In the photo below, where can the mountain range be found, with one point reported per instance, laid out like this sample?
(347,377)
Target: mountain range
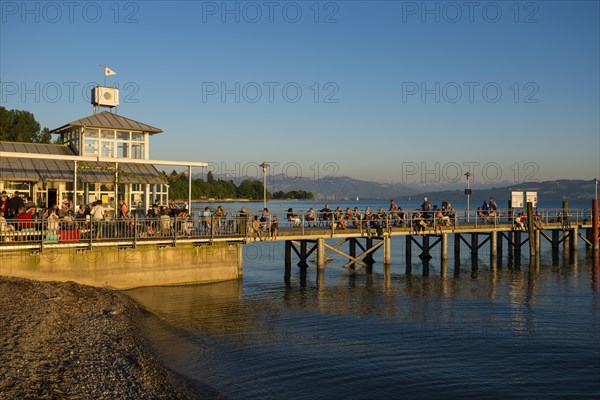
(346,187)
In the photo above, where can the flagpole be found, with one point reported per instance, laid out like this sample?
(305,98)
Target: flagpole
(104,72)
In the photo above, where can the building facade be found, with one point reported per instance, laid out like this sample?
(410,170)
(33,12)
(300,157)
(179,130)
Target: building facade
(51,173)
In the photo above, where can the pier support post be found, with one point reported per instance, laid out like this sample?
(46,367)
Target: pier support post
(302,263)
(408,251)
(493,244)
(425,254)
(574,233)
(474,243)
(457,246)
(445,247)
(368,259)
(320,253)
(387,250)
(288,253)
(595,224)
(530,229)
(352,251)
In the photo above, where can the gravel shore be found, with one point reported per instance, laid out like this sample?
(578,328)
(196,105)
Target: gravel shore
(69,341)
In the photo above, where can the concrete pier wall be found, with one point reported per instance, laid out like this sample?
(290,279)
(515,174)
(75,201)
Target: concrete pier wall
(127,268)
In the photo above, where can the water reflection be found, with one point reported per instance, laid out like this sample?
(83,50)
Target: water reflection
(250,339)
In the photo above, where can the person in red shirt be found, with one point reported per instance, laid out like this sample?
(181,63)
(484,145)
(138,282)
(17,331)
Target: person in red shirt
(25,220)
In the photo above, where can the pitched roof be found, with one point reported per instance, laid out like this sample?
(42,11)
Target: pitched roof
(109,120)
(37,170)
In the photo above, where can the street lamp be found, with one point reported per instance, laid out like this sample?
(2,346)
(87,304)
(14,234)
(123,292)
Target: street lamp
(596,182)
(468,193)
(264,167)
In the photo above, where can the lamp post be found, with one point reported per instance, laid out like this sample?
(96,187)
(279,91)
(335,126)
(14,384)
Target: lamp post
(468,193)
(264,167)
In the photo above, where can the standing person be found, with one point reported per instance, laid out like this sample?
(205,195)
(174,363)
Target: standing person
(97,214)
(16,202)
(492,204)
(4,203)
(256,228)
(274,227)
(425,207)
(122,209)
(265,219)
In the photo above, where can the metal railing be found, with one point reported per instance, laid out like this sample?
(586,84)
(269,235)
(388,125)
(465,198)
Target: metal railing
(40,231)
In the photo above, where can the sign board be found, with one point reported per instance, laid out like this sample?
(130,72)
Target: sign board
(531,197)
(516,199)
(105,96)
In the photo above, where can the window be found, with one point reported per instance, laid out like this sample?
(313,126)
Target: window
(122,149)
(106,149)
(107,134)
(137,150)
(122,135)
(90,147)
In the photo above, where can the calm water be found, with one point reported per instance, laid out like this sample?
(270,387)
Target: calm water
(462,332)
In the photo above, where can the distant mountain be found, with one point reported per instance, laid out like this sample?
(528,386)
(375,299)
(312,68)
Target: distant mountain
(340,187)
(346,187)
(548,190)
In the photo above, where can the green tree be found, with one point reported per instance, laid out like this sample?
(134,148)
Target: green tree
(21,126)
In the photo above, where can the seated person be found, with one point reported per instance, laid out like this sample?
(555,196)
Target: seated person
(311,216)
(292,218)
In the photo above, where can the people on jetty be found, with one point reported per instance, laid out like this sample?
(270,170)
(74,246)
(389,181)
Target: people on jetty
(311,217)
(356,218)
(274,227)
(265,218)
(419,224)
(326,215)
(520,220)
(256,229)
(292,218)
(425,207)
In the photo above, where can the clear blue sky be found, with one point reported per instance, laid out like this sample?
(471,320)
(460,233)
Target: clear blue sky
(389,91)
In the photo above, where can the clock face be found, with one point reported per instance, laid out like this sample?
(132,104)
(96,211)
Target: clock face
(107,96)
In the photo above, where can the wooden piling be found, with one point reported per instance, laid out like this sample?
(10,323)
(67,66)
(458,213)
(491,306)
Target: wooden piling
(474,243)
(444,247)
(457,246)
(530,229)
(387,250)
(493,244)
(303,255)
(320,253)
(288,253)
(595,224)
(574,233)
(408,249)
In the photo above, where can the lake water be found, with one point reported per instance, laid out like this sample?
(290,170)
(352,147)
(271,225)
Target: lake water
(464,331)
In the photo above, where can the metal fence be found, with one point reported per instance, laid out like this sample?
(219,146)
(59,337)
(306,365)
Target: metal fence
(240,226)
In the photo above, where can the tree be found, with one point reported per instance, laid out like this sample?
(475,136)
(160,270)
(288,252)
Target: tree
(21,126)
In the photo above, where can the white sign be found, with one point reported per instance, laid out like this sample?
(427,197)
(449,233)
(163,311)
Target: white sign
(516,199)
(531,197)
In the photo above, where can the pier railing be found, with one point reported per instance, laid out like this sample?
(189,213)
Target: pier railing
(239,227)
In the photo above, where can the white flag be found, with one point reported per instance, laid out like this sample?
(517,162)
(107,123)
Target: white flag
(108,71)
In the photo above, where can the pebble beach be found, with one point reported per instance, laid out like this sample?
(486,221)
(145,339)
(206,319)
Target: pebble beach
(69,341)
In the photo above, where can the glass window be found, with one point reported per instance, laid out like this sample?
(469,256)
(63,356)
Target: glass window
(137,151)
(91,133)
(90,147)
(137,136)
(122,149)
(106,149)
(122,135)
(107,134)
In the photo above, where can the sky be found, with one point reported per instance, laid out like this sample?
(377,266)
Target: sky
(389,91)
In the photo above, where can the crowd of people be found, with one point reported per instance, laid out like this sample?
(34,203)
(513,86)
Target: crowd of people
(161,220)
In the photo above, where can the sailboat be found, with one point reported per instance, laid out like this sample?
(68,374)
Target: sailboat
(357,199)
